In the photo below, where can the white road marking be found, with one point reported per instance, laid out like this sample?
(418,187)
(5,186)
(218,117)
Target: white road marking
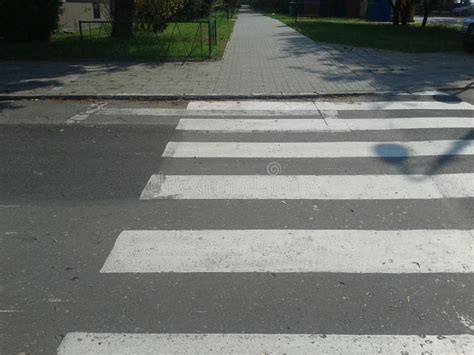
(409,123)
(205,113)
(9,311)
(262,125)
(334,251)
(132,343)
(317,150)
(256,105)
(325,187)
(253,105)
(320,125)
(466,321)
(426,93)
(93,108)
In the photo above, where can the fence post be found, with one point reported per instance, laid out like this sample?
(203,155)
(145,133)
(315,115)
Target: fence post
(296,13)
(209,37)
(80,29)
(215,32)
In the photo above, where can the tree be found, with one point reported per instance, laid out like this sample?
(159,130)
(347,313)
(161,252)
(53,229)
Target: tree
(196,9)
(401,11)
(157,12)
(29,20)
(122,12)
(427,7)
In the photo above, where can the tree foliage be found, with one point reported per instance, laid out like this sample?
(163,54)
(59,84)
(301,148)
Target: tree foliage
(29,20)
(196,9)
(152,14)
(280,6)
(157,11)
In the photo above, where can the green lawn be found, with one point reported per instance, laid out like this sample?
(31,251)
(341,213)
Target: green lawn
(177,42)
(361,33)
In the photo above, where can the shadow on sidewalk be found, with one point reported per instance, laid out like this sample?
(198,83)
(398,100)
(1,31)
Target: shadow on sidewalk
(51,77)
(381,69)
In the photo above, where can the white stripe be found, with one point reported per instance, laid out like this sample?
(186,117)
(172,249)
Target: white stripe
(125,344)
(206,113)
(426,93)
(349,251)
(357,187)
(93,108)
(409,123)
(261,125)
(320,125)
(317,150)
(326,105)
(253,105)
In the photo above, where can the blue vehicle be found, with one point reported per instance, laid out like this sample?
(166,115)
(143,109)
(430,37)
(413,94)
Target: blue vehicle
(463,8)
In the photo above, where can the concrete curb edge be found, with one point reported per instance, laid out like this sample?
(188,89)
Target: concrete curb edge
(217,97)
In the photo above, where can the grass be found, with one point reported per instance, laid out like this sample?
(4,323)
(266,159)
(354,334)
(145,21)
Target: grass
(177,42)
(361,33)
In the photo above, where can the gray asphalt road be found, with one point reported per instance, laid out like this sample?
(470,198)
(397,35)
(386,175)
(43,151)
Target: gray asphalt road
(71,177)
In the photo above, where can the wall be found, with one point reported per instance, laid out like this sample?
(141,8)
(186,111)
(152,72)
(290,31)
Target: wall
(80,10)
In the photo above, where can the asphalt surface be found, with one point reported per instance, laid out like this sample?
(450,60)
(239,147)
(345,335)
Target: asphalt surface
(67,190)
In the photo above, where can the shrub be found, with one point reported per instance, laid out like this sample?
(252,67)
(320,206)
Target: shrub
(29,20)
(196,9)
(157,12)
(280,6)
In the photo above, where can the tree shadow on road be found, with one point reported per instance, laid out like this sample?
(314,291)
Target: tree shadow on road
(398,155)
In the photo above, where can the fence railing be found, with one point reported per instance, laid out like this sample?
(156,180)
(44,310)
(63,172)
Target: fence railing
(175,40)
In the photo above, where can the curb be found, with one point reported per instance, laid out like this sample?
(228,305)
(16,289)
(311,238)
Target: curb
(217,97)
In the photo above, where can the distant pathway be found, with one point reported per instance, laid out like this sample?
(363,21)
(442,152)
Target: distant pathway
(264,55)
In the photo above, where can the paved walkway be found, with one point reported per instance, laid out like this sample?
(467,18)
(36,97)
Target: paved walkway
(263,57)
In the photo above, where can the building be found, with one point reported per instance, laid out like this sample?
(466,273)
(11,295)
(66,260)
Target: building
(73,11)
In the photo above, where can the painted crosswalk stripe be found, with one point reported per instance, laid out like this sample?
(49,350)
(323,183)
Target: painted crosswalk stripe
(346,251)
(337,187)
(133,343)
(184,112)
(262,125)
(320,125)
(317,150)
(256,105)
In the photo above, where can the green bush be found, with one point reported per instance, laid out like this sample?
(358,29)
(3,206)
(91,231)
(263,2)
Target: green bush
(279,6)
(232,4)
(29,20)
(196,9)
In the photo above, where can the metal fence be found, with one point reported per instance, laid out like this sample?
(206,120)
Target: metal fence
(175,40)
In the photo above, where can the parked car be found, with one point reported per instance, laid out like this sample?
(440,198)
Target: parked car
(467,31)
(467,10)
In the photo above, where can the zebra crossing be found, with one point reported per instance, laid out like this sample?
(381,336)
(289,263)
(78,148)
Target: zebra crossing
(403,251)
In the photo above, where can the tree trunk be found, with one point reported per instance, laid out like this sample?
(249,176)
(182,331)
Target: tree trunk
(123,19)
(427,5)
(405,14)
(425,13)
(396,12)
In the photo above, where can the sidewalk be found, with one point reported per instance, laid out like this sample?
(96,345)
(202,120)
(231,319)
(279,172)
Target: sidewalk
(263,57)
